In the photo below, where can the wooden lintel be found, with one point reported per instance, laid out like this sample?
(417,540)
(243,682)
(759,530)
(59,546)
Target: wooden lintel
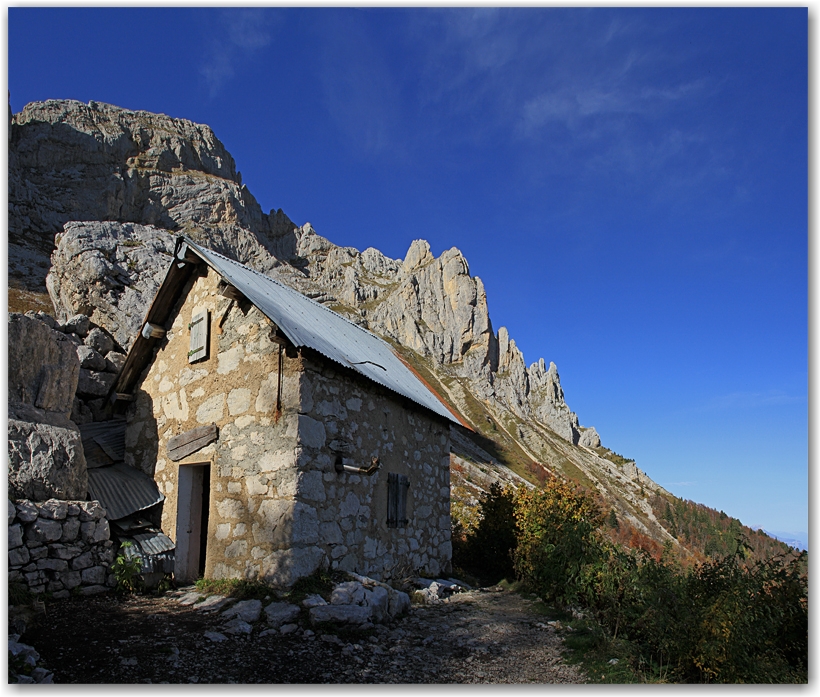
(189,442)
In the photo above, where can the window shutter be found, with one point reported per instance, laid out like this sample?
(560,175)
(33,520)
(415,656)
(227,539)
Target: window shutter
(199,337)
(404,485)
(392,500)
(397,486)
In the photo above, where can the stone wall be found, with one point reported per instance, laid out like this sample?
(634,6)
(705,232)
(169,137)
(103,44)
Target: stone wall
(58,547)
(278,509)
(347,416)
(235,388)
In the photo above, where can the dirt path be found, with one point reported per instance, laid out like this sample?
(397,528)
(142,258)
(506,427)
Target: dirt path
(481,636)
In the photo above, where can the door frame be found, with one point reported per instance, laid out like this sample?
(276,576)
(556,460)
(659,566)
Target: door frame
(192,519)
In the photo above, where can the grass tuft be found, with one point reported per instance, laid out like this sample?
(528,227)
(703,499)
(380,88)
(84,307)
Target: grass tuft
(239,588)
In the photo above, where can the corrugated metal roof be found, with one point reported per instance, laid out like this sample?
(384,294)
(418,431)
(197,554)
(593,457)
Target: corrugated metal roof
(122,490)
(156,550)
(154,542)
(103,442)
(308,323)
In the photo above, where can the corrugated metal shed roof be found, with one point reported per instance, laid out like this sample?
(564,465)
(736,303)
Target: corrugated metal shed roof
(155,549)
(307,323)
(103,442)
(122,490)
(154,542)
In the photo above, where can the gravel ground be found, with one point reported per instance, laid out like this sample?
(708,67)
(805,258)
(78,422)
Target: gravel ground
(480,636)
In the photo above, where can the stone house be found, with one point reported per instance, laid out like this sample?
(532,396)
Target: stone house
(283,436)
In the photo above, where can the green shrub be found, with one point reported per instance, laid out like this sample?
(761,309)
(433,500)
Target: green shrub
(19,594)
(731,619)
(555,528)
(723,621)
(126,570)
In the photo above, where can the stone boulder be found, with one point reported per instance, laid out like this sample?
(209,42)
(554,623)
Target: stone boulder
(281,613)
(99,340)
(245,610)
(348,593)
(343,614)
(43,366)
(313,600)
(90,359)
(111,271)
(114,361)
(378,600)
(381,601)
(46,458)
(46,461)
(78,324)
(94,383)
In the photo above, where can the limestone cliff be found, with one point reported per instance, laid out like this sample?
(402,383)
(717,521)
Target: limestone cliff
(103,191)
(70,161)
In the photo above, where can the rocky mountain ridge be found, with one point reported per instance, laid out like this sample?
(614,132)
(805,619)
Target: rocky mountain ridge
(97,195)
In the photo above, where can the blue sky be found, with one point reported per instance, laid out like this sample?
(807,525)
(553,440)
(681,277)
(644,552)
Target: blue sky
(630,185)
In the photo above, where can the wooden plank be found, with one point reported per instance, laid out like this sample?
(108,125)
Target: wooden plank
(189,442)
(189,448)
(226,290)
(193,434)
(158,313)
(404,485)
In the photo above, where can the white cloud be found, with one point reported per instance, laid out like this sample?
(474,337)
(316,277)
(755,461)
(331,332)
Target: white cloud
(247,29)
(574,105)
(240,35)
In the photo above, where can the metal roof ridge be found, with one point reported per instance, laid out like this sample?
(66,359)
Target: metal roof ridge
(362,336)
(287,288)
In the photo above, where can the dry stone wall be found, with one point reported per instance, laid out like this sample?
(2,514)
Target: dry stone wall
(60,547)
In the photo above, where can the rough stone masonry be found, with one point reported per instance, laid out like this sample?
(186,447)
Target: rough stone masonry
(278,509)
(58,547)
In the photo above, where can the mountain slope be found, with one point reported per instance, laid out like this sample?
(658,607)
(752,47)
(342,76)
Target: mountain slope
(103,191)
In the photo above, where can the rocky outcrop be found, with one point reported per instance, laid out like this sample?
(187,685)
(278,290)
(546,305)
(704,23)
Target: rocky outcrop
(46,461)
(109,272)
(590,438)
(46,457)
(437,308)
(547,402)
(70,161)
(43,366)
